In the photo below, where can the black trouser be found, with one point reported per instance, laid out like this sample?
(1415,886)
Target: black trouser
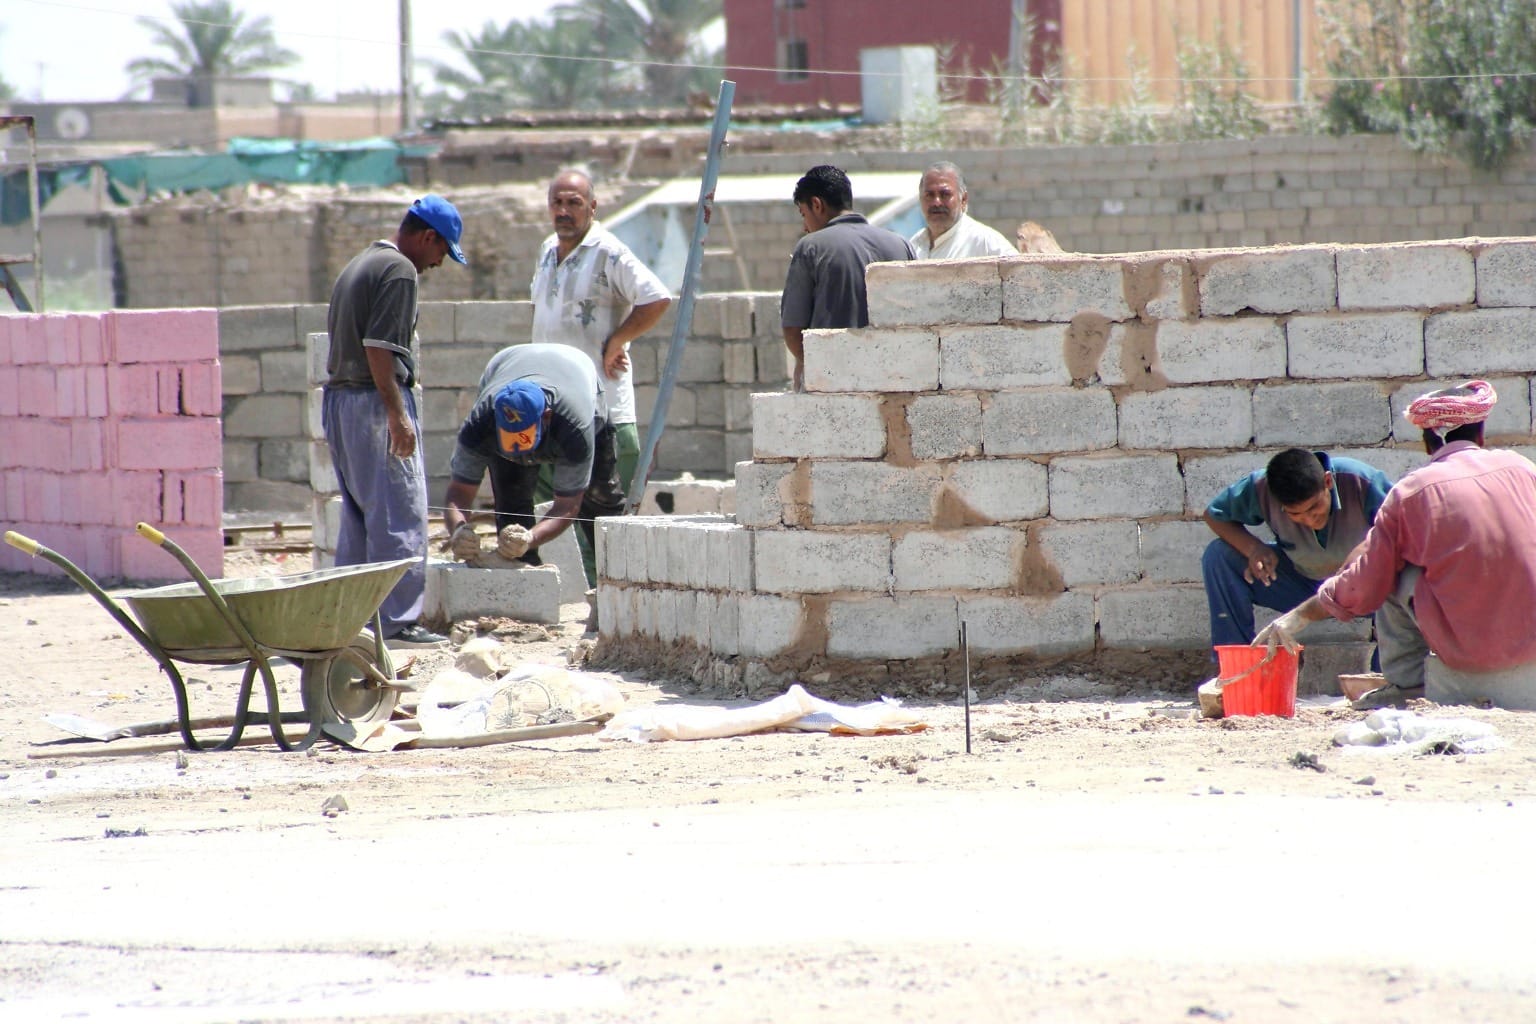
(513,483)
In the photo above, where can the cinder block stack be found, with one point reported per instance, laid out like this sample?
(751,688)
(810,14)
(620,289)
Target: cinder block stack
(111,419)
(1026,446)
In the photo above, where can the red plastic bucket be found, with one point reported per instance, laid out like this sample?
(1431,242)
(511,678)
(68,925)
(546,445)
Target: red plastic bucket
(1253,686)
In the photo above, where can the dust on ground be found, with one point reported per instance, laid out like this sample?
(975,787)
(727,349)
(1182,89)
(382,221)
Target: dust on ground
(1046,742)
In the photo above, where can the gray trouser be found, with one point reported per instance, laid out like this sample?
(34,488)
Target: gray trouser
(1399,642)
(383,499)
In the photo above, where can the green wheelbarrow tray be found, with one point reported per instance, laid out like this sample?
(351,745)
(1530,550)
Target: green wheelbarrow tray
(314,611)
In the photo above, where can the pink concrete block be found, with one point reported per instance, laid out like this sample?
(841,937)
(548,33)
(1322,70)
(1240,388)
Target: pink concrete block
(29,339)
(39,396)
(37,443)
(164,335)
(69,391)
(63,333)
(133,391)
(172,442)
(170,390)
(101,554)
(12,506)
(135,497)
(96,405)
(171,499)
(5,340)
(202,389)
(40,491)
(10,391)
(141,561)
(88,445)
(93,340)
(202,498)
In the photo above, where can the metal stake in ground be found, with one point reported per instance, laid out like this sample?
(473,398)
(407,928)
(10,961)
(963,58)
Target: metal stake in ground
(965,654)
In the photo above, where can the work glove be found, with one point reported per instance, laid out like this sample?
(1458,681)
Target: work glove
(512,541)
(464,542)
(1282,632)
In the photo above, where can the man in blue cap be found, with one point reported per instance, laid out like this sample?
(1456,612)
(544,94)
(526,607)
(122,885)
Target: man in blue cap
(538,405)
(369,411)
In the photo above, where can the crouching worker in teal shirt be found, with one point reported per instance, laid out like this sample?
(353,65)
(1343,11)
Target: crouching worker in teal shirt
(1319,509)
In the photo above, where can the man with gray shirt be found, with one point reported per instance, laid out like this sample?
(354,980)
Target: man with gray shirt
(369,412)
(538,405)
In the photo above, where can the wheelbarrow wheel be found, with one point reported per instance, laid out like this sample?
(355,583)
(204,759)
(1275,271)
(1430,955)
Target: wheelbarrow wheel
(339,688)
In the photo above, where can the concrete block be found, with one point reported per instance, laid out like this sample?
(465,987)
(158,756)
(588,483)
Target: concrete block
(740,362)
(325,521)
(847,493)
(892,627)
(1506,274)
(945,426)
(998,356)
(1407,276)
(435,322)
(317,352)
(172,442)
(1169,291)
(1041,421)
(1320,414)
(1092,553)
(933,292)
(1197,417)
(995,491)
(1203,351)
(725,625)
(310,317)
(1479,342)
(811,562)
(255,328)
(1154,618)
(1115,486)
(489,323)
(166,335)
(314,414)
(282,459)
(322,470)
(736,317)
(240,461)
(284,370)
(1290,280)
(872,359)
(456,591)
(768,626)
(1511,415)
(564,552)
(761,492)
(1058,625)
(265,415)
(985,558)
(1170,551)
(798,426)
(1323,663)
(610,556)
(1395,462)
(1205,476)
(1057,289)
(1356,345)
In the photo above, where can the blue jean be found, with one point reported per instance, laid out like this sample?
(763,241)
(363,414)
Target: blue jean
(1232,598)
(383,499)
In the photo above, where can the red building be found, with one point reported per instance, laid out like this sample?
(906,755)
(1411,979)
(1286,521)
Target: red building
(812,46)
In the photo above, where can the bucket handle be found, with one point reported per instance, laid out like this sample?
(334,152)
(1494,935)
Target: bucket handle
(1225,681)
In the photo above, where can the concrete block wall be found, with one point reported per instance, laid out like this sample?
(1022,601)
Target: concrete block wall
(272,395)
(108,420)
(1025,446)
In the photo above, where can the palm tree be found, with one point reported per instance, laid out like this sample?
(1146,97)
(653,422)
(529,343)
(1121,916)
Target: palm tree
(661,33)
(210,39)
(503,73)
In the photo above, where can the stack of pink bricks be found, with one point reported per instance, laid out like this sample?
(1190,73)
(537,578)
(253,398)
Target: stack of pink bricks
(108,420)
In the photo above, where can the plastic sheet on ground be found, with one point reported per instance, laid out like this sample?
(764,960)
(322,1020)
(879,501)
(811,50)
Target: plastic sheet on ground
(793,710)
(1402,732)
(453,704)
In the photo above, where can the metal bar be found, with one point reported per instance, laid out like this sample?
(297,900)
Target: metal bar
(685,301)
(965,652)
(37,214)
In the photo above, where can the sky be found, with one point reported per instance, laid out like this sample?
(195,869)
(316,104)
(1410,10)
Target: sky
(75,50)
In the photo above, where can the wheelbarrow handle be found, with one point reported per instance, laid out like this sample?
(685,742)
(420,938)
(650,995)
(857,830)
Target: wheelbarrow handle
(150,534)
(21,543)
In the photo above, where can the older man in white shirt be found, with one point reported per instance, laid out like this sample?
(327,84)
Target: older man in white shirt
(951,233)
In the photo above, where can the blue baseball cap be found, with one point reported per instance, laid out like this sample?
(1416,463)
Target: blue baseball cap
(440,216)
(519,417)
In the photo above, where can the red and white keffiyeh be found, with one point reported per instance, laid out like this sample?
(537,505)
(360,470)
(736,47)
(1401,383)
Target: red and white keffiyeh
(1452,407)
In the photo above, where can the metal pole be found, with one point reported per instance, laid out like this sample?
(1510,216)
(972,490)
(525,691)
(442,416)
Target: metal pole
(407,93)
(1298,48)
(37,213)
(685,301)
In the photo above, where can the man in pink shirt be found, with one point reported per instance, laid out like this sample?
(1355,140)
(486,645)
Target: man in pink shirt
(1456,541)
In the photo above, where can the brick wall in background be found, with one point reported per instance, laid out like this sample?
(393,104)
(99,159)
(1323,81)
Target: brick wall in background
(109,420)
(734,349)
(1026,446)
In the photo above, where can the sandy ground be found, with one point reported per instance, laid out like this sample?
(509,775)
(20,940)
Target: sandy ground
(1087,860)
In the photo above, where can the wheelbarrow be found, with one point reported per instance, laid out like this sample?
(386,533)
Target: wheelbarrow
(315,619)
